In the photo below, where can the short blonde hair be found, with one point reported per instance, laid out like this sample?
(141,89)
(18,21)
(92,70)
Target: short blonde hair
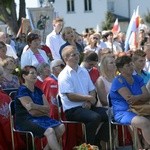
(58,19)
(67,50)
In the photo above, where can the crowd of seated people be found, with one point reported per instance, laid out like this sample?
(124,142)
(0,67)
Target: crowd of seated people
(64,66)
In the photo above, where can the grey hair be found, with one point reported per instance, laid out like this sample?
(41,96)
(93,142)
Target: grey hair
(41,67)
(55,63)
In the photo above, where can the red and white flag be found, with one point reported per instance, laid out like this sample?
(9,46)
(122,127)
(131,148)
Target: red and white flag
(133,40)
(116,27)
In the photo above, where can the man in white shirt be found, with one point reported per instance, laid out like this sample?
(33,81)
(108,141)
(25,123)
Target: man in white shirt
(78,97)
(54,39)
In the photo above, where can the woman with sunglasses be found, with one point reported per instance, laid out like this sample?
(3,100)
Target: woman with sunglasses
(32,111)
(93,43)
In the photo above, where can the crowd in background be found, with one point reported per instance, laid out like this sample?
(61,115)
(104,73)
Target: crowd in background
(96,60)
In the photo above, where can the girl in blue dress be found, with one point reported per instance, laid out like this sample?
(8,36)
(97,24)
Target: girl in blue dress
(32,111)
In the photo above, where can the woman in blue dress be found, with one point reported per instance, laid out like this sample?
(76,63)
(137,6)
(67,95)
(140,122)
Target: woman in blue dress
(32,111)
(126,90)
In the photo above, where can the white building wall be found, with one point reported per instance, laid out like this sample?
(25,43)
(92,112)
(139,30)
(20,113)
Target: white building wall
(80,19)
(122,7)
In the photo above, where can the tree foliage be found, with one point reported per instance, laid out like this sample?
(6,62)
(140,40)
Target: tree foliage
(9,15)
(147,17)
(109,20)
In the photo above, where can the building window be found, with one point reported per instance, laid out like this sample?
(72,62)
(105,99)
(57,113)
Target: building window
(87,5)
(70,6)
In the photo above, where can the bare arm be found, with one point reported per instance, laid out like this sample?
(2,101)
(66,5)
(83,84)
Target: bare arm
(35,109)
(131,99)
(102,95)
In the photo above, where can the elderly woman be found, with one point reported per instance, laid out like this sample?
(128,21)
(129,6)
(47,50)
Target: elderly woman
(32,111)
(43,71)
(33,56)
(9,79)
(128,89)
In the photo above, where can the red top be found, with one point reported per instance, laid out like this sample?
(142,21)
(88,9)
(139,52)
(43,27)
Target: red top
(50,89)
(5,129)
(94,74)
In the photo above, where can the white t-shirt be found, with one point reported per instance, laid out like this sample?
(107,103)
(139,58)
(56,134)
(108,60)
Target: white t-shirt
(10,52)
(54,42)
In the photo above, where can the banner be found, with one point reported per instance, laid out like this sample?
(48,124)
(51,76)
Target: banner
(41,19)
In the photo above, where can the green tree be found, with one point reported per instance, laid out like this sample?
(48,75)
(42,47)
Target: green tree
(147,17)
(9,16)
(109,20)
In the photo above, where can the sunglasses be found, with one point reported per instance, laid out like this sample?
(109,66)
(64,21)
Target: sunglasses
(61,66)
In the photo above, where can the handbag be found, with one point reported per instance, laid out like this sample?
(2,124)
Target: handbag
(142,109)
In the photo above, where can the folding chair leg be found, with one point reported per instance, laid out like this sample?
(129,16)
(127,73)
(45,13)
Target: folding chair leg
(42,146)
(84,132)
(123,134)
(13,142)
(135,140)
(110,136)
(32,138)
(27,141)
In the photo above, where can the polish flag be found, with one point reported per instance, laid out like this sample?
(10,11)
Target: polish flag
(132,31)
(133,41)
(116,27)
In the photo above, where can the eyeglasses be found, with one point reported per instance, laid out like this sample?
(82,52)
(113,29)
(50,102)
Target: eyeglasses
(74,55)
(33,73)
(61,66)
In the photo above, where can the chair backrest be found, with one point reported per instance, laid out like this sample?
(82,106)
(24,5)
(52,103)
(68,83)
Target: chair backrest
(109,100)
(8,91)
(110,108)
(12,112)
(59,104)
(13,95)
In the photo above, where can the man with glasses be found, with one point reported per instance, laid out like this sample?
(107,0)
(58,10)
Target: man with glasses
(78,97)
